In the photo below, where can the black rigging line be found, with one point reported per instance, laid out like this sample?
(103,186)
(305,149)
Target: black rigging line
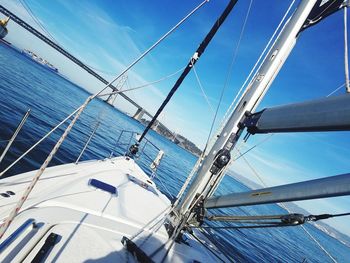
(286,220)
(242,227)
(325,216)
(228,77)
(207,247)
(190,64)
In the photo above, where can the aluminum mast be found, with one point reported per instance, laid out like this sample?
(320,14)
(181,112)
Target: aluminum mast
(211,171)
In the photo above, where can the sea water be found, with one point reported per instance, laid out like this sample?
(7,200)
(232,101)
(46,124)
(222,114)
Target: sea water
(24,85)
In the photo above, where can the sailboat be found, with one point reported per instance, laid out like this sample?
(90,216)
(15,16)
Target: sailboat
(111,210)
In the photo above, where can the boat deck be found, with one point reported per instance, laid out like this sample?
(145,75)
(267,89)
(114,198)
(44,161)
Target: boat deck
(82,211)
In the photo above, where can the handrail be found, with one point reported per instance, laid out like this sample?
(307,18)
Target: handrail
(142,152)
(132,135)
(16,233)
(20,125)
(87,142)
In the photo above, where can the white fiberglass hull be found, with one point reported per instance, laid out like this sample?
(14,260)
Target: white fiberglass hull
(89,221)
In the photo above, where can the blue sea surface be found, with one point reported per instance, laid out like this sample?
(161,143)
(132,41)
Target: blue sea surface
(24,85)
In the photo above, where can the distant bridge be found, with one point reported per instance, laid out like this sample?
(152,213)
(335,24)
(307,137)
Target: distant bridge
(139,112)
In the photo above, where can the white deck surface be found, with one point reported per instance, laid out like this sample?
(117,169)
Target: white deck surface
(90,222)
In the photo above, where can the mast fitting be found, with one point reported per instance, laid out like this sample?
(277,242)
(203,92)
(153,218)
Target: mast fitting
(223,157)
(133,150)
(194,59)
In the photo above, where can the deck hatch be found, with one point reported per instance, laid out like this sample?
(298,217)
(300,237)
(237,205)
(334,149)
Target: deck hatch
(50,242)
(103,186)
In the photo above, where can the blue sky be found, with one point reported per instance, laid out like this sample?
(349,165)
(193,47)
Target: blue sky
(108,35)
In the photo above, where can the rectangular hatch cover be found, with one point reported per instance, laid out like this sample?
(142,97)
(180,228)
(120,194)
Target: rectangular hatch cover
(103,186)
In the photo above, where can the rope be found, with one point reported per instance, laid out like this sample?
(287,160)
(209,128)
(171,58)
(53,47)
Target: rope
(162,213)
(346,62)
(189,178)
(112,81)
(252,169)
(4,226)
(239,227)
(242,155)
(193,60)
(334,91)
(207,247)
(38,142)
(202,90)
(235,52)
(165,187)
(18,206)
(144,85)
(152,47)
(18,129)
(282,205)
(251,148)
(195,168)
(318,243)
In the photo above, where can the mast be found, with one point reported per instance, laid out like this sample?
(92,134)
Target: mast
(193,60)
(211,171)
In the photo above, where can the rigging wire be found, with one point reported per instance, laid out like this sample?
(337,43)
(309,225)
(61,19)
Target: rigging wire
(252,169)
(251,148)
(38,142)
(37,21)
(318,243)
(202,89)
(334,91)
(150,224)
(207,247)
(6,223)
(284,206)
(4,226)
(241,155)
(346,62)
(228,112)
(293,217)
(200,159)
(193,60)
(228,76)
(244,227)
(282,22)
(265,185)
(266,226)
(111,82)
(144,85)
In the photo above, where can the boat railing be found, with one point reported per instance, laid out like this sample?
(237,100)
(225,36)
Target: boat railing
(126,138)
(149,155)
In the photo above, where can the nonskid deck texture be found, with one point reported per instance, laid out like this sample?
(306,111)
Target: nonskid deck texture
(78,204)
